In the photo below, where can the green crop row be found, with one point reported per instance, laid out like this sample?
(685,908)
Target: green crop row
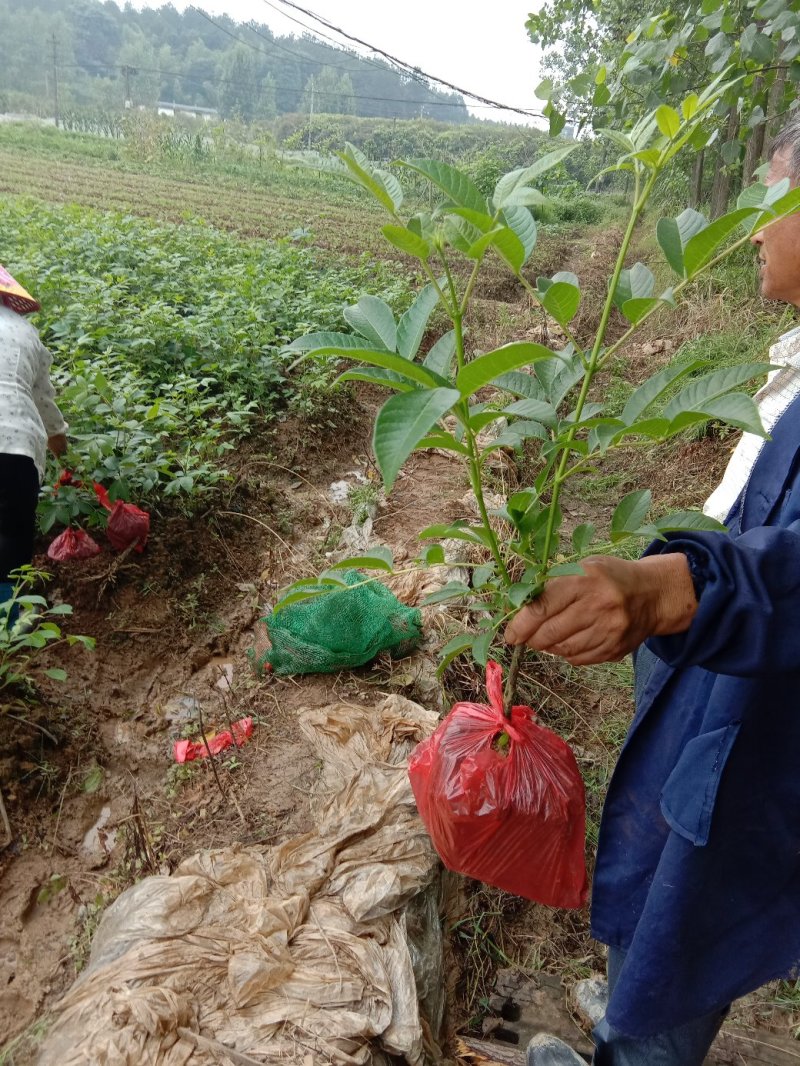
(167,342)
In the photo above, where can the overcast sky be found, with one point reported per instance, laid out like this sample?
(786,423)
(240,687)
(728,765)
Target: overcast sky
(490,54)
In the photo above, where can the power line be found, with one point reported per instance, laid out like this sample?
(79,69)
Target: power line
(401,63)
(383,67)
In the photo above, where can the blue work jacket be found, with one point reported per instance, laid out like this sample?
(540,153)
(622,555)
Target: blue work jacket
(698,868)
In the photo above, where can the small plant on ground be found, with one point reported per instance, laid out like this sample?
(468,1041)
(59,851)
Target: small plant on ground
(27,626)
(450,398)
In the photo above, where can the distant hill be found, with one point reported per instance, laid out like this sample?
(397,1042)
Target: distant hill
(103,54)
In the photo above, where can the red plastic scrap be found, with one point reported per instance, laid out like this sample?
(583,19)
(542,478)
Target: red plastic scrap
(509,812)
(72,544)
(214,743)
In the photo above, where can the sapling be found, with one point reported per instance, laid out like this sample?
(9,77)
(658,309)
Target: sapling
(446,398)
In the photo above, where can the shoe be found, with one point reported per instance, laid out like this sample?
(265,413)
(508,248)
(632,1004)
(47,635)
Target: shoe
(546,1050)
(590,998)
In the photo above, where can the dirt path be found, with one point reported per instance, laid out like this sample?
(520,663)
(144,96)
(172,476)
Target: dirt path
(106,804)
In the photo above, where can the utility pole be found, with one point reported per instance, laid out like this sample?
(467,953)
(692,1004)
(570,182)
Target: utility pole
(55,79)
(311,113)
(128,71)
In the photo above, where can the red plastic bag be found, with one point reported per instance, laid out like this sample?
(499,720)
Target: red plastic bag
(72,544)
(512,816)
(188,750)
(128,525)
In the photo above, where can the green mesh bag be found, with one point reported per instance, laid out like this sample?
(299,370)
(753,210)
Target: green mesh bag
(339,630)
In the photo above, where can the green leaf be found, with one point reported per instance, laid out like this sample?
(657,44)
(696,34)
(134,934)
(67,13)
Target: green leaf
(736,409)
(520,384)
(673,233)
(700,391)
(634,284)
(621,140)
(460,530)
(557,122)
(373,319)
(526,198)
(544,90)
(405,240)
(517,180)
(561,301)
(455,184)
(649,391)
(582,537)
(479,219)
(388,360)
(377,558)
(451,591)
(565,570)
(440,358)
(690,105)
(538,410)
(312,341)
(669,121)
(365,174)
(514,436)
(56,673)
(636,310)
(521,222)
(481,645)
(403,421)
(445,441)
(452,649)
(463,236)
(486,368)
(631,512)
(694,520)
(482,574)
(433,555)
(386,379)
(507,244)
(700,249)
(412,325)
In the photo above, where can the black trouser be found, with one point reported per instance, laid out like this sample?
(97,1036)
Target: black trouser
(19,494)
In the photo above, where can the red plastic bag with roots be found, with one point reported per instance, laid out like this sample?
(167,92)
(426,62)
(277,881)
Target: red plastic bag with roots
(507,812)
(128,525)
(72,544)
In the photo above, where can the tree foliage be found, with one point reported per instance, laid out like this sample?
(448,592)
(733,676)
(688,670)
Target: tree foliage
(242,70)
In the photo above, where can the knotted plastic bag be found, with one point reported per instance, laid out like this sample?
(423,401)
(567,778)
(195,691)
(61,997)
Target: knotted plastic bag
(503,800)
(128,525)
(73,544)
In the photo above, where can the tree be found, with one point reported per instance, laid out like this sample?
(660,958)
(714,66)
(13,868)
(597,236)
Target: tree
(238,94)
(667,54)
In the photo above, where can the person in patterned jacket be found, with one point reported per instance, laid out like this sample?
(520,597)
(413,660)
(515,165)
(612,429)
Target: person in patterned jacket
(30,422)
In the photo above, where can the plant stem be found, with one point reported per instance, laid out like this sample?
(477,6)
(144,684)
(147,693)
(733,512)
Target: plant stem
(511,680)
(594,359)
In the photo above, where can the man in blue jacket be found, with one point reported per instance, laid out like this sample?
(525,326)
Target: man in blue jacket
(697,885)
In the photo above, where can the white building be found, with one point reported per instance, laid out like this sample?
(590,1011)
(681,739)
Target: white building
(206,113)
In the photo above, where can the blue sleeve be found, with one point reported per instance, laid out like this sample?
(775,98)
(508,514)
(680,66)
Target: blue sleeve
(748,617)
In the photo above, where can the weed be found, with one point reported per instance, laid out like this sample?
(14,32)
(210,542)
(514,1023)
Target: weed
(26,627)
(21,1049)
(363,499)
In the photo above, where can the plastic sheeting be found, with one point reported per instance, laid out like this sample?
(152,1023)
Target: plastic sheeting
(314,951)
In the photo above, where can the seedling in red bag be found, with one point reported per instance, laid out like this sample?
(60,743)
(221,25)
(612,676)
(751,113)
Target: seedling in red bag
(503,800)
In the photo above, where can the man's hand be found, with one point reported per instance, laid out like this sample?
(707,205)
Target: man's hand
(57,443)
(609,610)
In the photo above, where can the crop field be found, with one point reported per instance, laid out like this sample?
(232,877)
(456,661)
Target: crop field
(171,296)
